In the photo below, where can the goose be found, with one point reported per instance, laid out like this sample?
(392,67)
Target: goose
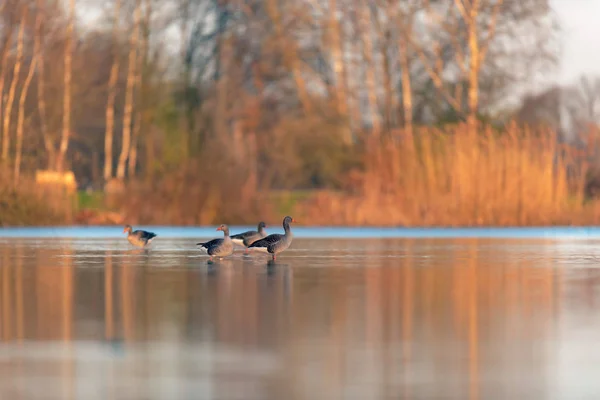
(247,238)
(275,243)
(218,247)
(138,238)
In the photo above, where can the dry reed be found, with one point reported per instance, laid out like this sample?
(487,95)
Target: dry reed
(516,177)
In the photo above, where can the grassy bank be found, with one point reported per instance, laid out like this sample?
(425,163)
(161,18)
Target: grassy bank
(29,205)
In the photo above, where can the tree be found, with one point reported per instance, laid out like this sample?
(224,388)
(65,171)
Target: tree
(112,94)
(466,38)
(13,86)
(131,71)
(66,120)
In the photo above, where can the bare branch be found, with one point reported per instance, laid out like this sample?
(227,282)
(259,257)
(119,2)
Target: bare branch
(491,31)
(435,77)
(461,8)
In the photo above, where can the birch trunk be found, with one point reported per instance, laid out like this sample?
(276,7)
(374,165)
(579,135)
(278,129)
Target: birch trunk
(221,123)
(365,27)
(390,98)
(407,106)
(41,88)
(13,88)
(23,97)
(140,90)
(337,55)
(110,104)
(354,79)
(21,117)
(66,128)
(3,65)
(127,117)
(474,60)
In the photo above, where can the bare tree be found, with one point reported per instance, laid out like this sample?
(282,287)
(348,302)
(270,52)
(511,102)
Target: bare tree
(112,94)
(383,16)
(9,27)
(468,47)
(21,116)
(13,87)
(461,22)
(24,92)
(139,89)
(41,86)
(128,112)
(581,103)
(289,50)
(405,20)
(366,34)
(66,122)
(335,39)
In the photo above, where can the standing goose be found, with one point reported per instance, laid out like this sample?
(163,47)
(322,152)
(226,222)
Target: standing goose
(275,243)
(218,247)
(247,238)
(138,238)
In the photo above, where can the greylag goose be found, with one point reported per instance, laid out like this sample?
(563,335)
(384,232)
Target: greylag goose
(275,243)
(218,247)
(138,238)
(247,238)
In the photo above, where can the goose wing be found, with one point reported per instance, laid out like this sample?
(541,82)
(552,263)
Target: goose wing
(143,235)
(243,235)
(211,243)
(267,241)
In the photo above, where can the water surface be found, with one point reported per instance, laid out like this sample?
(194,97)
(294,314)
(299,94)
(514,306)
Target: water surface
(88,317)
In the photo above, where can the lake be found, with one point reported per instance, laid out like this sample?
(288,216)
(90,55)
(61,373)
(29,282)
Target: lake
(343,314)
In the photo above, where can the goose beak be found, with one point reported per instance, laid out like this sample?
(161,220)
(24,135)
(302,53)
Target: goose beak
(219,228)
(294,220)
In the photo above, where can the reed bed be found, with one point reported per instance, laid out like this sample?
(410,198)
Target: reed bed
(511,177)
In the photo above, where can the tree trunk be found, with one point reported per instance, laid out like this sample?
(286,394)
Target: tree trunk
(354,80)
(41,96)
(112,94)
(3,65)
(139,89)
(474,61)
(337,55)
(21,117)
(128,112)
(13,88)
(364,19)
(289,52)
(221,123)
(407,105)
(66,128)
(390,106)
(148,133)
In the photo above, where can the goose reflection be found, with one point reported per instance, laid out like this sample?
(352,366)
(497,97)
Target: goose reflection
(272,266)
(212,266)
(116,346)
(143,251)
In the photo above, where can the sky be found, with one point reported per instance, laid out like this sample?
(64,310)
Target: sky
(580,30)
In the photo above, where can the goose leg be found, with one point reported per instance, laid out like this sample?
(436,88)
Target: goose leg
(273,256)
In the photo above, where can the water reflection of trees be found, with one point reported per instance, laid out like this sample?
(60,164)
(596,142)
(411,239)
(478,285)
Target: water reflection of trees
(435,314)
